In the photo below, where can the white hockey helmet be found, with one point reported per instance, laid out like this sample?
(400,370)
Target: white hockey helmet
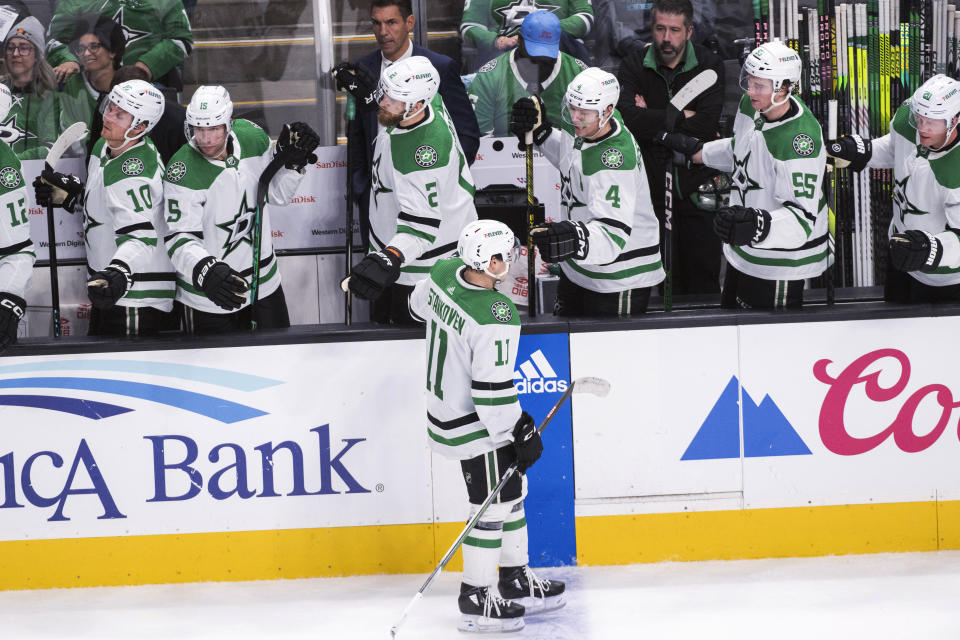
(937,99)
(6,101)
(141,100)
(210,106)
(592,89)
(481,240)
(409,81)
(772,61)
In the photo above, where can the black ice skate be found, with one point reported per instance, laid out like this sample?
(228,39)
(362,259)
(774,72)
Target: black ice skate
(522,585)
(486,612)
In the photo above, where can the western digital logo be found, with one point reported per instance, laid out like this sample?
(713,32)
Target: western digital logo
(535,375)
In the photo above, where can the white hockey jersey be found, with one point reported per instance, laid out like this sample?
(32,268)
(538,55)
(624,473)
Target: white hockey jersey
(926,194)
(211,206)
(604,185)
(16,250)
(421,194)
(472,339)
(778,167)
(123,219)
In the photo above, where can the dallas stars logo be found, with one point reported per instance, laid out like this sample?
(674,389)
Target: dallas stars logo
(513,14)
(88,225)
(238,229)
(803,144)
(426,156)
(501,311)
(903,203)
(12,134)
(742,181)
(612,158)
(132,166)
(10,178)
(129,33)
(175,172)
(567,198)
(377,183)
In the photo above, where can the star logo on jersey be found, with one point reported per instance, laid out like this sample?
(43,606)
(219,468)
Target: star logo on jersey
(513,14)
(803,145)
(132,166)
(238,229)
(903,203)
(501,311)
(426,156)
(10,178)
(742,181)
(88,225)
(129,33)
(175,172)
(376,182)
(612,158)
(567,198)
(11,133)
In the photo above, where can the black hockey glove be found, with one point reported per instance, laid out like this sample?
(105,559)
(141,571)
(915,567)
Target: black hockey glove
(681,143)
(375,273)
(221,284)
(106,287)
(559,241)
(296,144)
(529,114)
(57,189)
(357,81)
(526,442)
(738,225)
(852,151)
(915,250)
(11,310)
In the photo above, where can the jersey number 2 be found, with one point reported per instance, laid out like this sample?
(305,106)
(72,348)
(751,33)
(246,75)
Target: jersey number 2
(440,342)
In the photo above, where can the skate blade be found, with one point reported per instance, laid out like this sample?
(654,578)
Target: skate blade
(533,605)
(480,624)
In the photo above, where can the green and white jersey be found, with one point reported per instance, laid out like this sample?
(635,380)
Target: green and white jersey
(421,194)
(498,84)
(157,31)
(485,20)
(211,205)
(777,166)
(604,185)
(472,339)
(123,219)
(926,192)
(16,250)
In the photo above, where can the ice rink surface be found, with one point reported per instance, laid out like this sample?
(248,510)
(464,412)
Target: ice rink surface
(884,596)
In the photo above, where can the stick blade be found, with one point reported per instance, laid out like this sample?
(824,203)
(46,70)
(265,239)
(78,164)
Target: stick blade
(74,133)
(592,385)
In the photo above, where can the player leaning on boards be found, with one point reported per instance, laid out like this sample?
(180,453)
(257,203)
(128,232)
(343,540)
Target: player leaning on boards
(211,192)
(16,250)
(775,229)
(422,190)
(608,245)
(131,281)
(922,150)
(472,334)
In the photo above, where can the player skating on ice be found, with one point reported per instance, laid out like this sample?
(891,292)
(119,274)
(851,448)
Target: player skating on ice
(607,242)
(474,415)
(211,192)
(421,194)
(775,229)
(131,282)
(921,148)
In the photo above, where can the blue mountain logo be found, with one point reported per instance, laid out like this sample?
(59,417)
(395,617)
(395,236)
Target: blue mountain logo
(766,431)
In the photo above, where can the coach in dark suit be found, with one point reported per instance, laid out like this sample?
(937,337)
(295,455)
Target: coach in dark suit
(392,22)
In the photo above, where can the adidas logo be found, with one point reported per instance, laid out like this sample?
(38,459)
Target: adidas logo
(535,375)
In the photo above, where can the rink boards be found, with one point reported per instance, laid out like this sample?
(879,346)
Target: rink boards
(297,460)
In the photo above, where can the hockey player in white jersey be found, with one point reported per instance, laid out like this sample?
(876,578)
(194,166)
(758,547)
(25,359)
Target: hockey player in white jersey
(131,281)
(608,242)
(775,229)
(474,415)
(922,150)
(211,192)
(421,194)
(16,250)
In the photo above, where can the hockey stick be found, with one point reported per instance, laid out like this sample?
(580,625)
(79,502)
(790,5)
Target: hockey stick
(697,85)
(263,186)
(530,70)
(74,133)
(348,250)
(595,386)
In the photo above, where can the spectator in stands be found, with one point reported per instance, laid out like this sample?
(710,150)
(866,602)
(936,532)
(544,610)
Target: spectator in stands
(157,32)
(493,26)
(98,44)
(536,66)
(648,79)
(392,22)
